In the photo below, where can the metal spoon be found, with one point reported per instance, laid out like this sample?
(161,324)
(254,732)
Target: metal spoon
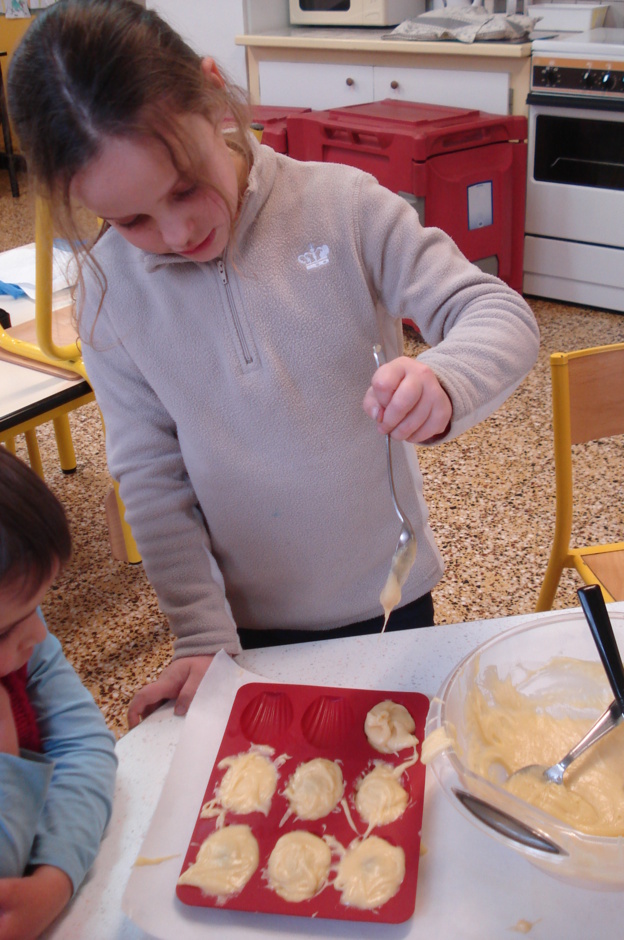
(405,552)
(595,611)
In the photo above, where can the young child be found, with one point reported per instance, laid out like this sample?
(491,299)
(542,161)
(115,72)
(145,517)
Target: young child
(57,760)
(228,316)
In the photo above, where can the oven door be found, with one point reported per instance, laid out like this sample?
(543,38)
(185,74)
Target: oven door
(575,185)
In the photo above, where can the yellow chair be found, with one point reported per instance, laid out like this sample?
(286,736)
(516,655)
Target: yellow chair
(588,404)
(68,357)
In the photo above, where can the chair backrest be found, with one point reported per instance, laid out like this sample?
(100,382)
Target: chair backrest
(595,380)
(595,391)
(588,404)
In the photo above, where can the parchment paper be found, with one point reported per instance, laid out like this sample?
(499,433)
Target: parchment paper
(149,900)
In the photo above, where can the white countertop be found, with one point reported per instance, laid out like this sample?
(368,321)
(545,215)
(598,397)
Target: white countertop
(370,40)
(469,886)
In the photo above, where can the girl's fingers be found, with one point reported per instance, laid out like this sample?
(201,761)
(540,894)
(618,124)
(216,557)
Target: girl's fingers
(407,401)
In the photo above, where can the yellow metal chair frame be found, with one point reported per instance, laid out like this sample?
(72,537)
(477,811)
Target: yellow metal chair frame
(588,404)
(66,357)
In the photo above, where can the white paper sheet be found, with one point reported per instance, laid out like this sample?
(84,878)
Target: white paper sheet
(149,899)
(17,266)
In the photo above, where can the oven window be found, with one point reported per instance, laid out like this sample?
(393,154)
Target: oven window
(323,6)
(579,151)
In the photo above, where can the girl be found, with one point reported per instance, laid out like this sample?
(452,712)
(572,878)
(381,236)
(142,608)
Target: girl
(228,316)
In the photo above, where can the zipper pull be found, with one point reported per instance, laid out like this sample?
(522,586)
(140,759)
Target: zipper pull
(222,271)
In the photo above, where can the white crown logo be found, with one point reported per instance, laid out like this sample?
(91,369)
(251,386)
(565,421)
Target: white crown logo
(315,257)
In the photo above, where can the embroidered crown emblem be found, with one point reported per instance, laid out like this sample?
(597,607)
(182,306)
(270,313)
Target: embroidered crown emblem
(315,257)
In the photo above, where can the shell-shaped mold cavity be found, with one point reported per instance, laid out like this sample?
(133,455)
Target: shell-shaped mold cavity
(266,717)
(327,721)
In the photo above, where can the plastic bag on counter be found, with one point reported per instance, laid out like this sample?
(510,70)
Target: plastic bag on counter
(465,24)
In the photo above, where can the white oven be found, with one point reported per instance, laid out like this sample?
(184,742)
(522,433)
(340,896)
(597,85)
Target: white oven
(574,242)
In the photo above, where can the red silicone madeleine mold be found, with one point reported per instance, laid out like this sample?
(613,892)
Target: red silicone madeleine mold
(305,722)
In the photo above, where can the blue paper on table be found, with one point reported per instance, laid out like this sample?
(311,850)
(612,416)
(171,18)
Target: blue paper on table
(17,268)
(12,290)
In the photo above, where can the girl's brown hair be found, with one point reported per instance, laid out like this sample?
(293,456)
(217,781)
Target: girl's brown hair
(87,70)
(34,533)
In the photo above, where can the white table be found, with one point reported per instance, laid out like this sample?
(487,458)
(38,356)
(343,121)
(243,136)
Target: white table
(32,394)
(469,886)
(26,393)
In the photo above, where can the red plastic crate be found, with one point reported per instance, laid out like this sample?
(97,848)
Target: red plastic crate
(273,120)
(444,157)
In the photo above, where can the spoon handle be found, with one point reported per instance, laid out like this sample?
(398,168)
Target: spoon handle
(595,611)
(380,360)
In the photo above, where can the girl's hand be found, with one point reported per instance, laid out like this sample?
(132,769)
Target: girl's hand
(28,905)
(9,743)
(179,680)
(408,402)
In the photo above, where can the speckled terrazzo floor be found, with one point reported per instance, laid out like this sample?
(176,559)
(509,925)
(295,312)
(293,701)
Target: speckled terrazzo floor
(490,495)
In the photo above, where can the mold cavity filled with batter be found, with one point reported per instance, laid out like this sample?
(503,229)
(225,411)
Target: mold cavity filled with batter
(389,728)
(315,789)
(225,862)
(298,866)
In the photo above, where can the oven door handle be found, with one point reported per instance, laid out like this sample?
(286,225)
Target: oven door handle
(575,101)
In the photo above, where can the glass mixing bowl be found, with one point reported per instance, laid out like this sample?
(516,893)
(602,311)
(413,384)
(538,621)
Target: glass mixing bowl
(531,656)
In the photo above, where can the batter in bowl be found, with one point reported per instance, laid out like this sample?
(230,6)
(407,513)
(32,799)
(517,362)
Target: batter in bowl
(510,730)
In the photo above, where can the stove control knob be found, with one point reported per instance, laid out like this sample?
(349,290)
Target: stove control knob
(550,75)
(587,79)
(607,81)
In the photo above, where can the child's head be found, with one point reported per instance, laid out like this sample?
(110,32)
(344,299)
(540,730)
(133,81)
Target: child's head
(34,544)
(92,72)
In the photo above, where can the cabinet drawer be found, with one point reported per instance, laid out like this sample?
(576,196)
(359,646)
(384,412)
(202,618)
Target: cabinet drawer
(303,85)
(486,91)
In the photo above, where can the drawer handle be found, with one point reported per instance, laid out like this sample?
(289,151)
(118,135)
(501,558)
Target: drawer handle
(394,85)
(350,82)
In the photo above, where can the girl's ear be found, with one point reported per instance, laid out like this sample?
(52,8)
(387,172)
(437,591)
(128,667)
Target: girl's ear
(211,72)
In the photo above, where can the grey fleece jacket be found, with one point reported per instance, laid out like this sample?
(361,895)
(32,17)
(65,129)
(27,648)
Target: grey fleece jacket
(254,483)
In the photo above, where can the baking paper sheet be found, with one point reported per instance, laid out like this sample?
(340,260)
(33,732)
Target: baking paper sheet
(149,899)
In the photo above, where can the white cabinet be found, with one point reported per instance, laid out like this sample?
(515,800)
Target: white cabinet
(298,84)
(486,91)
(299,67)
(324,85)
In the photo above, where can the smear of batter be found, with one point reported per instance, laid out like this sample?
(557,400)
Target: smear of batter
(143,860)
(315,789)
(388,727)
(524,926)
(299,866)
(369,873)
(437,741)
(225,862)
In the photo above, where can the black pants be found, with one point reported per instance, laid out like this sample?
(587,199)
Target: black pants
(417,614)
